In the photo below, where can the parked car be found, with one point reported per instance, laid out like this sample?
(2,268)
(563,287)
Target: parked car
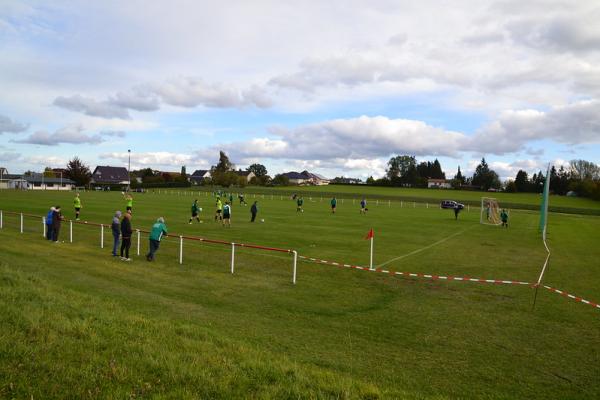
(451,204)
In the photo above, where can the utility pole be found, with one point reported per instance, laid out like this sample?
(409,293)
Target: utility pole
(129,170)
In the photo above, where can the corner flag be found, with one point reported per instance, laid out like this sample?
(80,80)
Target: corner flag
(370,236)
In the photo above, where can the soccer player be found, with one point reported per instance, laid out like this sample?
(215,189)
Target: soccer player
(299,204)
(230,198)
(129,201)
(504,218)
(126,232)
(363,206)
(487,211)
(219,210)
(242,200)
(456,211)
(254,211)
(159,229)
(333,205)
(227,214)
(195,211)
(77,205)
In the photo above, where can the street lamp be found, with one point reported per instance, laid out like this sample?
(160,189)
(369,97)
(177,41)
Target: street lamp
(129,170)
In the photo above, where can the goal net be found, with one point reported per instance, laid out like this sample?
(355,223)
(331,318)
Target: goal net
(490,211)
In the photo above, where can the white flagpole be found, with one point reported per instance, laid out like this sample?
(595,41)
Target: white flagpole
(371,259)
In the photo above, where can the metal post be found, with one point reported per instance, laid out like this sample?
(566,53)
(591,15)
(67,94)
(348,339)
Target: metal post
(180,249)
(101,236)
(371,255)
(71,231)
(21,222)
(232,256)
(44,225)
(138,241)
(295,264)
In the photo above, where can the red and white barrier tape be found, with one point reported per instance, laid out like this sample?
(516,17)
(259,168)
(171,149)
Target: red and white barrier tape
(418,275)
(565,294)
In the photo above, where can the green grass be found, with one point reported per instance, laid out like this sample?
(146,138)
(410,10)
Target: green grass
(396,194)
(76,323)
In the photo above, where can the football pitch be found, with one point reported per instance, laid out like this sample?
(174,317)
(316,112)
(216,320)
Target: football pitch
(78,323)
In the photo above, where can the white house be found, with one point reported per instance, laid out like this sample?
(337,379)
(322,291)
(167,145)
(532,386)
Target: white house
(439,184)
(40,182)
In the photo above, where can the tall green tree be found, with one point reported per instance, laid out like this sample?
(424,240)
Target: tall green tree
(436,170)
(224,165)
(484,177)
(522,181)
(582,170)
(258,169)
(399,166)
(78,172)
(183,171)
(48,173)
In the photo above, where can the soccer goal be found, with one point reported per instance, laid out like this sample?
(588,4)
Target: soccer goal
(490,211)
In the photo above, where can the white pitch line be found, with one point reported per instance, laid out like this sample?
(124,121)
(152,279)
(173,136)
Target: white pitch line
(423,248)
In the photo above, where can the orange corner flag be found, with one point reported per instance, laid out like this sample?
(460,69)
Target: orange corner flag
(370,235)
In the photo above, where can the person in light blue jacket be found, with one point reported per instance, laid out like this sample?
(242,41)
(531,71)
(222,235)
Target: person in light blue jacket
(116,231)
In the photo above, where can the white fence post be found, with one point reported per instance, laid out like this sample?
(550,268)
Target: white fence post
(468,208)
(377,201)
(295,264)
(414,205)
(232,256)
(101,236)
(389,203)
(71,231)
(180,249)
(138,241)
(44,226)
(21,222)
(427,205)
(400,203)
(1,219)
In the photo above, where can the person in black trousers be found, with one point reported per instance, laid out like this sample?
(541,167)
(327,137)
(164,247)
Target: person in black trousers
(254,211)
(126,232)
(57,217)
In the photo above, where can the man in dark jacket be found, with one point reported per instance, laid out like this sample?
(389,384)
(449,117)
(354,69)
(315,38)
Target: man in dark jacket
(116,231)
(254,211)
(57,217)
(126,232)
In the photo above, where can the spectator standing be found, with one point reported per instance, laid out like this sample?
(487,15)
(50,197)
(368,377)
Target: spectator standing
(116,231)
(126,232)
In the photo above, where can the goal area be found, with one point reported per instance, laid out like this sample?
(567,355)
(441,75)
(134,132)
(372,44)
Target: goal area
(490,211)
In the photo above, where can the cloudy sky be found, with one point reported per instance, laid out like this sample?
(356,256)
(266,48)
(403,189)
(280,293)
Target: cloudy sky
(336,87)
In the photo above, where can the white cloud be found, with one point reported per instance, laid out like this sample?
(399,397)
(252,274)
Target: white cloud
(156,159)
(91,107)
(69,134)
(9,156)
(571,124)
(9,126)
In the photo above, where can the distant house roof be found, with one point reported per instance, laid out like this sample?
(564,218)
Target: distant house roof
(106,174)
(304,175)
(200,173)
(295,175)
(243,173)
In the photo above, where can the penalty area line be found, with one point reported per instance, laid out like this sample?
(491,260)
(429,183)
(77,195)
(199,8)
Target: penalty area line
(423,248)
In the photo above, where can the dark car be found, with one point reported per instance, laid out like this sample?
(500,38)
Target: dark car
(451,204)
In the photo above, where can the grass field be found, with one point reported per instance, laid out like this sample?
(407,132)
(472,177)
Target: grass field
(517,200)
(77,323)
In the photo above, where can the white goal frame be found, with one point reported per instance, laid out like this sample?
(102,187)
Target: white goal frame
(491,217)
